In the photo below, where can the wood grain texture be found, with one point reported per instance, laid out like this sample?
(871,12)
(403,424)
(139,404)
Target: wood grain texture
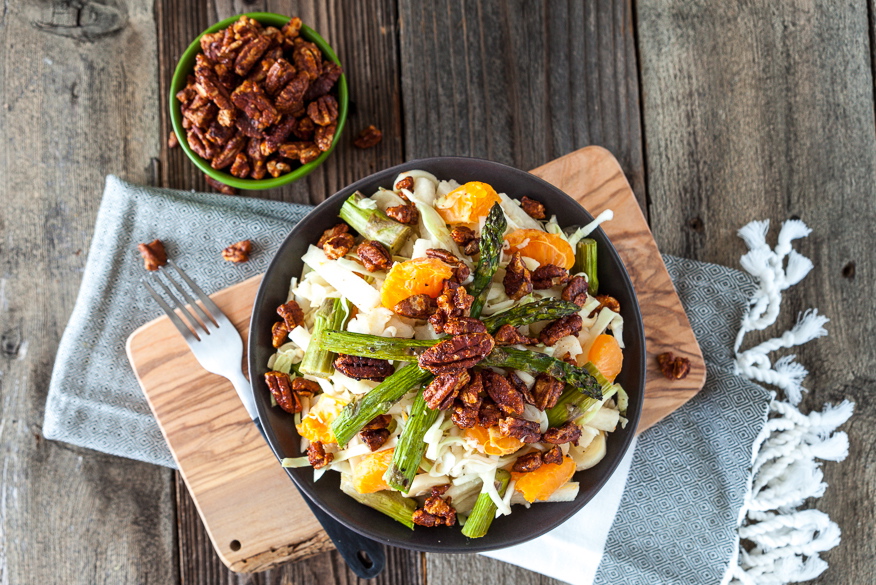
(593,177)
(765,111)
(229,469)
(521,82)
(225,462)
(364,35)
(76,102)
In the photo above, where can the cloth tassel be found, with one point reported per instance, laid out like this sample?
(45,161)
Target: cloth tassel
(780,544)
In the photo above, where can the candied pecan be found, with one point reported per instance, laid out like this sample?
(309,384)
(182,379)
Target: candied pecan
(567,433)
(440,490)
(568,325)
(304,387)
(292,314)
(281,389)
(307,58)
(188,93)
(464,325)
(323,111)
(331,72)
(238,252)
(291,29)
(305,129)
(153,254)
(457,353)
(488,414)
(464,417)
(250,53)
(509,335)
(567,357)
(423,518)
(453,303)
(201,116)
(553,455)
(248,127)
(471,394)
(443,390)
(374,438)
(219,134)
(291,97)
(521,387)
(335,230)
(528,462)
(368,138)
(338,246)
(576,291)
(473,247)
(309,152)
(406,183)
(549,275)
(381,421)
(374,255)
(280,74)
(241,167)
(674,368)
(416,307)
(209,87)
(606,301)
(506,397)
(229,152)
(525,430)
(518,280)
(172,140)
(462,235)
(406,214)
(260,72)
(221,187)
(251,98)
(317,456)
(363,368)
(533,208)
(278,333)
(436,506)
(277,136)
(277,168)
(546,391)
(461,269)
(324,136)
(202,147)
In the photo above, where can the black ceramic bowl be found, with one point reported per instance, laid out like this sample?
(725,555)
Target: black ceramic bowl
(279,428)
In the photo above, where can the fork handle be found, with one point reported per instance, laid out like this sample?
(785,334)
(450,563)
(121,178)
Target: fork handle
(244,392)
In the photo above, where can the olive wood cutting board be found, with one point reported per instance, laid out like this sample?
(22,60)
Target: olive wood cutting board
(251,509)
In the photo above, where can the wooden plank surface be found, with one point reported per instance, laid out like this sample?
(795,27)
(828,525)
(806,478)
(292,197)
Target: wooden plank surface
(765,110)
(231,472)
(77,101)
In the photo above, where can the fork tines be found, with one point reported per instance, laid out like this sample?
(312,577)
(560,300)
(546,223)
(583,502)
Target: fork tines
(197,319)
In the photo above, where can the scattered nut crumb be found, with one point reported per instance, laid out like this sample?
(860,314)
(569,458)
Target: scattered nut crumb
(368,138)
(238,252)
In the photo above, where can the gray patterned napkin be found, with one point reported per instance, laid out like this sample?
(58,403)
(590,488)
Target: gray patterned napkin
(676,521)
(94,399)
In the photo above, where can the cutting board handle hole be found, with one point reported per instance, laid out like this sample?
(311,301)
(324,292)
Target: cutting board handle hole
(363,556)
(235,545)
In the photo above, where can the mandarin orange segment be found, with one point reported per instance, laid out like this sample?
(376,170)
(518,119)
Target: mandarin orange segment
(544,481)
(607,356)
(467,204)
(543,247)
(492,441)
(316,426)
(420,276)
(368,472)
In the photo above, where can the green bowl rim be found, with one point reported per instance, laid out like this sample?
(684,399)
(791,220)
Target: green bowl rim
(178,80)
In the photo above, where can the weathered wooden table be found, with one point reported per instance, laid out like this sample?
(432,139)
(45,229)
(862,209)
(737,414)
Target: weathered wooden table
(720,113)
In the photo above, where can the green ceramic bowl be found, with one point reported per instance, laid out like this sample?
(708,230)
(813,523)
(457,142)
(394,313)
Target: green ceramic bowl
(186,66)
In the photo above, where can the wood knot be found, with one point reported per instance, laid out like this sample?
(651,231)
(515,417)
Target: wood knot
(849,271)
(84,20)
(696,224)
(10,343)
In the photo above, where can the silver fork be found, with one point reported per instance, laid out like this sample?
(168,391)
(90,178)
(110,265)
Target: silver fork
(211,336)
(218,347)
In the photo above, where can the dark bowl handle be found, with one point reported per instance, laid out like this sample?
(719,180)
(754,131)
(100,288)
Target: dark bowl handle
(364,556)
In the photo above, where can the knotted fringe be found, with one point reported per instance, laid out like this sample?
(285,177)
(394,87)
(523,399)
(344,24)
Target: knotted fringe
(787,541)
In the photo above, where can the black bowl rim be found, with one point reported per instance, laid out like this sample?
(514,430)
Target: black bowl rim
(636,398)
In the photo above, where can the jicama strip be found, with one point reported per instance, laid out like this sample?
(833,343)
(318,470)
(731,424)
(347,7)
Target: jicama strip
(356,290)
